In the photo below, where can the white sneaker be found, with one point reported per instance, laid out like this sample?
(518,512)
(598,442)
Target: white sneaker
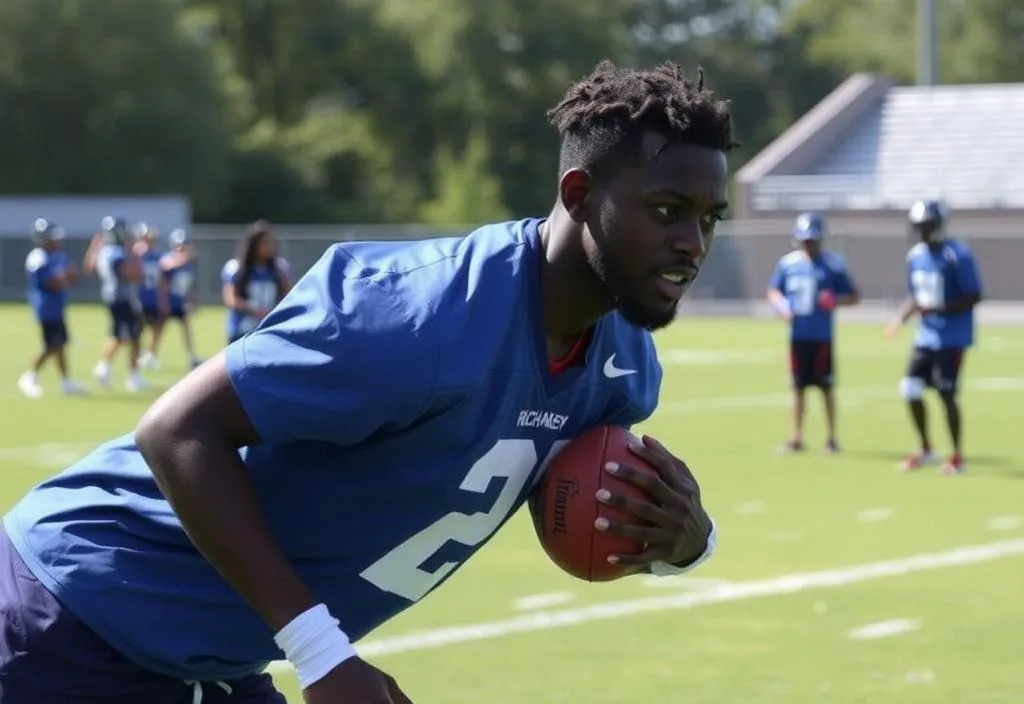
(102,373)
(69,387)
(29,385)
(148,361)
(135,383)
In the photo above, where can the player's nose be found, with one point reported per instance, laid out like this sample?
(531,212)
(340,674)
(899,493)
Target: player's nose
(687,239)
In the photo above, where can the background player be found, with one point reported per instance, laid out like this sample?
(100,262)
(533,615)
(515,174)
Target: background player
(342,460)
(178,267)
(254,281)
(944,289)
(806,287)
(49,274)
(153,293)
(110,257)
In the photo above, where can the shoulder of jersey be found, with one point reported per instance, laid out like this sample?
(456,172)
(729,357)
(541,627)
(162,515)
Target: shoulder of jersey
(791,258)
(630,362)
(230,267)
(835,260)
(36,259)
(917,250)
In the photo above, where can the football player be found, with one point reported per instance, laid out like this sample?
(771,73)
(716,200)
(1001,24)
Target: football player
(945,286)
(49,273)
(153,293)
(254,280)
(805,289)
(110,256)
(340,461)
(178,267)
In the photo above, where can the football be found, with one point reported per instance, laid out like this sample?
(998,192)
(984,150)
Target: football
(564,504)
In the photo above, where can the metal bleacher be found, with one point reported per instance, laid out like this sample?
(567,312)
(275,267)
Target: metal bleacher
(961,143)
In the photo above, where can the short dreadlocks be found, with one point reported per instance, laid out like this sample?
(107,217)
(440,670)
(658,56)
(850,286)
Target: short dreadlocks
(603,117)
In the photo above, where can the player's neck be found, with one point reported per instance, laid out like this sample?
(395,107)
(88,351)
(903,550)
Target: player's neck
(572,297)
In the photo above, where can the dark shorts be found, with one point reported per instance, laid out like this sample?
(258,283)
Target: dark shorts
(151,315)
(940,369)
(810,362)
(55,333)
(178,310)
(48,656)
(125,323)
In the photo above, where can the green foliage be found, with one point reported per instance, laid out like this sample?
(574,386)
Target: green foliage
(392,110)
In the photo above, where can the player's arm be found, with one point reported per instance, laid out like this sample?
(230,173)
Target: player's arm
(969,282)
(89,262)
(847,291)
(775,295)
(301,377)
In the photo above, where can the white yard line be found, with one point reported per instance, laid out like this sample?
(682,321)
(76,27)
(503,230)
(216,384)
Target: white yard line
(735,591)
(884,629)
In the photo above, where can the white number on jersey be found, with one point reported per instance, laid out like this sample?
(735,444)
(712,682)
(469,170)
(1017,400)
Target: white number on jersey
(801,290)
(400,571)
(150,275)
(181,283)
(262,294)
(929,288)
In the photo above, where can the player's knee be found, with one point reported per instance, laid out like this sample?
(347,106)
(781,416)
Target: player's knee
(912,388)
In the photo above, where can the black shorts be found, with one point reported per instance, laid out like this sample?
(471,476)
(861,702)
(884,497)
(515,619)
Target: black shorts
(55,333)
(125,322)
(178,310)
(810,362)
(940,369)
(151,315)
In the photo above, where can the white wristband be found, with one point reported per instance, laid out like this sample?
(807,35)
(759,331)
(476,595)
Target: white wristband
(664,569)
(314,645)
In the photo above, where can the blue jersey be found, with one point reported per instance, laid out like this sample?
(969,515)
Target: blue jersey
(935,277)
(114,286)
(403,396)
(152,278)
(802,279)
(41,268)
(260,293)
(180,280)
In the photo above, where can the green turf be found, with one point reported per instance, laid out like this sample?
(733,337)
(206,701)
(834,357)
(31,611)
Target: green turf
(723,409)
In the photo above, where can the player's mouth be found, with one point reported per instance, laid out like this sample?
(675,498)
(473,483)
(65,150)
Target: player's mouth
(674,281)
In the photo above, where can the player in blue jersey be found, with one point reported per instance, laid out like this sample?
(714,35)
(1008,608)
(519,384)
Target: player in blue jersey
(806,287)
(153,291)
(945,286)
(178,269)
(344,458)
(49,274)
(253,281)
(111,258)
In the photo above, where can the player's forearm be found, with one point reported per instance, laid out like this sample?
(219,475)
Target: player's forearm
(778,301)
(207,486)
(907,309)
(962,304)
(848,299)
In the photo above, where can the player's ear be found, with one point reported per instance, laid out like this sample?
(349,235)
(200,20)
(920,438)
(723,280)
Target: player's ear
(575,190)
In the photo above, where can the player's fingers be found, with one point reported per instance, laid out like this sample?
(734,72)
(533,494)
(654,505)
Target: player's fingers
(651,554)
(654,485)
(673,469)
(643,510)
(651,535)
(397,695)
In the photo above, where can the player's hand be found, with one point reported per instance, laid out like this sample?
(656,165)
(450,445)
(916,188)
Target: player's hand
(355,681)
(827,300)
(892,330)
(676,526)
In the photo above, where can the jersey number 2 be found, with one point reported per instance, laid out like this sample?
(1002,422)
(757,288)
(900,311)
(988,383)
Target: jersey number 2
(400,571)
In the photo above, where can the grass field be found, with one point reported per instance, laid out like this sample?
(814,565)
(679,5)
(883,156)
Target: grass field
(838,580)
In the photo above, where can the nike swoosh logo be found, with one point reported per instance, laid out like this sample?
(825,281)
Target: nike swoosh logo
(613,372)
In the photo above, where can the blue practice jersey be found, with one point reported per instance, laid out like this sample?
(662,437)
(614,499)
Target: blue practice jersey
(180,280)
(260,293)
(802,279)
(152,278)
(936,277)
(114,286)
(403,396)
(42,267)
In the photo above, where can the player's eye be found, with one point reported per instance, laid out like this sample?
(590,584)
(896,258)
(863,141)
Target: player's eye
(667,212)
(710,220)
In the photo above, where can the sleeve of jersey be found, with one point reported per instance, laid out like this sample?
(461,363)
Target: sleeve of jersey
(778,280)
(844,281)
(967,273)
(338,360)
(227,273)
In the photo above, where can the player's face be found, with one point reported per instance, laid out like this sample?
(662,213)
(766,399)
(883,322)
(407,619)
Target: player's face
(812,247)
(654,226)
(924,230)
(265,248)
